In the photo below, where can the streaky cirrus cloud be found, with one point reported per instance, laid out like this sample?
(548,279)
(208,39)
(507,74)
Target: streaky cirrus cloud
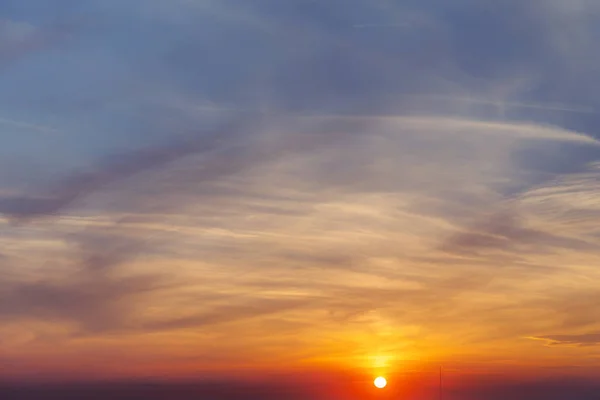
(586,339)
(385,192)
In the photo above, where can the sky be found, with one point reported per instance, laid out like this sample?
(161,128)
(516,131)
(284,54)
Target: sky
(253,188)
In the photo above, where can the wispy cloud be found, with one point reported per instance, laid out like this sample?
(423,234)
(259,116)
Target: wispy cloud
(114,169)
(19,38)
(28,126)
(588,339)
(362,216)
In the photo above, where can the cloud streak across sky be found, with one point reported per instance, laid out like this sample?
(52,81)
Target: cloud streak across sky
(206,185)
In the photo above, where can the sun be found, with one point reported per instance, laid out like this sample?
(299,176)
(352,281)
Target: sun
(380,382)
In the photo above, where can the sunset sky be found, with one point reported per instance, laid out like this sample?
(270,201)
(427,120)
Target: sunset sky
(235,188)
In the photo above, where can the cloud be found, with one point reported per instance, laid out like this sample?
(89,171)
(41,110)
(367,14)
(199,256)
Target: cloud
(221,192)
(229,313)
(504,231)
(15,32)
(588,339)
(114,169)
(19,38)
(87,302)
(27,126)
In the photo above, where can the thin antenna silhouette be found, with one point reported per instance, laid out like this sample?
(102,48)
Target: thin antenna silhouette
(440,394)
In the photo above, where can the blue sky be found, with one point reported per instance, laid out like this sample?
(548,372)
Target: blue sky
(238,158)
(107,73)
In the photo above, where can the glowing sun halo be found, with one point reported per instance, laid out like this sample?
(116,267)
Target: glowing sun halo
(380,382)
